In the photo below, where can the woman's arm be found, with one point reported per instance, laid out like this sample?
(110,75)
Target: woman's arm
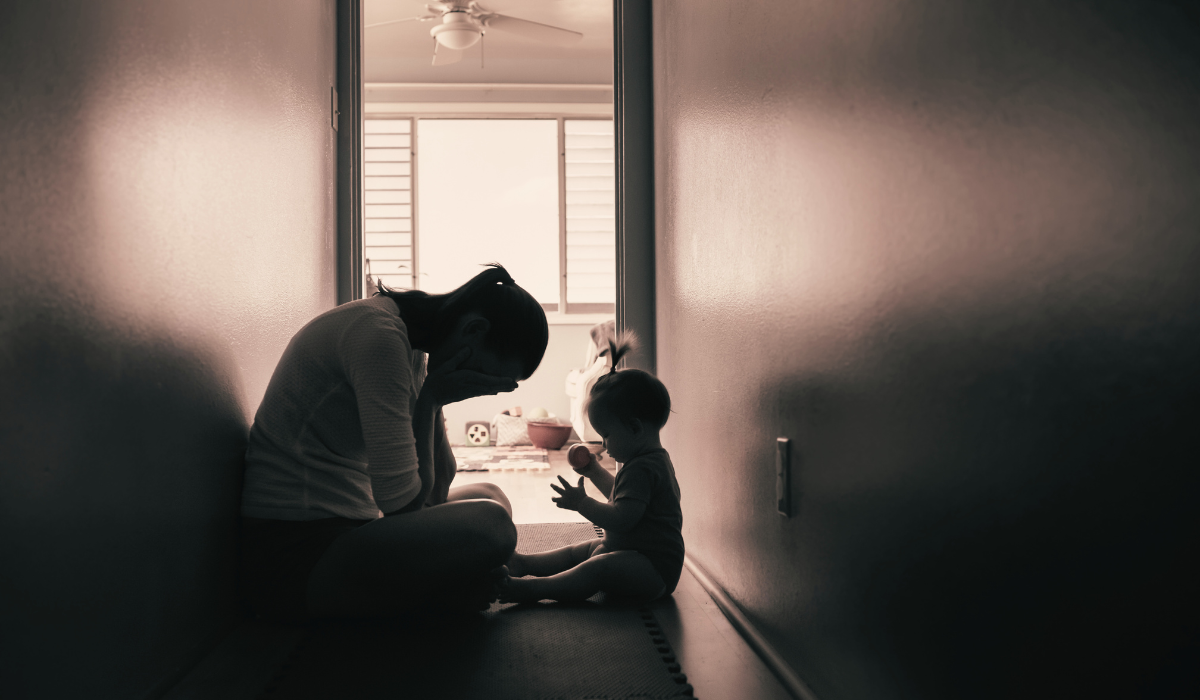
(424,430)
(445,463)
(436,465)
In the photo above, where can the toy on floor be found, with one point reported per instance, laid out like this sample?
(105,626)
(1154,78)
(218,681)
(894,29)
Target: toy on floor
(479,433)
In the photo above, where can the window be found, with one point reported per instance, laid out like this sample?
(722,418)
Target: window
(535,194)
(387,203)
(590,212)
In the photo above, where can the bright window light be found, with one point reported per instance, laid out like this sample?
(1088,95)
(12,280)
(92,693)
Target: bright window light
(488,191)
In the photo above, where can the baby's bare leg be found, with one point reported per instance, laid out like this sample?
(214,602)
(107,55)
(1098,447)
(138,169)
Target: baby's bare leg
(625,573)
(552,562)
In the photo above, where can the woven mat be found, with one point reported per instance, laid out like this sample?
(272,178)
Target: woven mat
(600,649)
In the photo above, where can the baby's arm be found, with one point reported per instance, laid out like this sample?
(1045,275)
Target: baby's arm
(598,475)
(618,517)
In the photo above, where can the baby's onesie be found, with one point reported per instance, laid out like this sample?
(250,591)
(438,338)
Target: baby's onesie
(650,478)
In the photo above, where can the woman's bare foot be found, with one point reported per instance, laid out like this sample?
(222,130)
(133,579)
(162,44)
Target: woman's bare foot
(516,565)
(520,590)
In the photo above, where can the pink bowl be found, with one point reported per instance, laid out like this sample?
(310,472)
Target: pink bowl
(549,435)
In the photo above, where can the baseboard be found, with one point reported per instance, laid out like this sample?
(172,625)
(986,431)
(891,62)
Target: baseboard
(753,637)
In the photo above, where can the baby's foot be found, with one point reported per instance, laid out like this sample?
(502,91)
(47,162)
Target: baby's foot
(516,565)
(519,590)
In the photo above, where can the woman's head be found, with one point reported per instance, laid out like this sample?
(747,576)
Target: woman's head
(627,395)
(503,324)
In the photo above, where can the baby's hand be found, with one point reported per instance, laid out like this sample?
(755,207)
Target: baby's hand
(569,497)
(581,459)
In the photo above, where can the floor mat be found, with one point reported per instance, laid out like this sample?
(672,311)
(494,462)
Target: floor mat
(601,649)
(482,459)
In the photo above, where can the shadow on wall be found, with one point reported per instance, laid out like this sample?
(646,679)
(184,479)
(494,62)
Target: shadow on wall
(118,504)
(1016,517)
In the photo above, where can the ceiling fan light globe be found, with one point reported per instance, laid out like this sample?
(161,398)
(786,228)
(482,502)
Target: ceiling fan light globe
(456,38)
(456,31)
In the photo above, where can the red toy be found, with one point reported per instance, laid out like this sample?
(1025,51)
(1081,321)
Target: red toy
(579,456)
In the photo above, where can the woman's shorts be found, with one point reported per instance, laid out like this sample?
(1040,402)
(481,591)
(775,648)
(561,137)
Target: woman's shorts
(277,558)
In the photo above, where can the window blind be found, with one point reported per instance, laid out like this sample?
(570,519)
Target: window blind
(590,215)
(387,202)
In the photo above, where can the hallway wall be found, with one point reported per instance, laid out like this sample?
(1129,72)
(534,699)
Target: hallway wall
(951,250)
(166,224)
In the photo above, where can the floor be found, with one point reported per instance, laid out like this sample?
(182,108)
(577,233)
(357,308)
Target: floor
(529,490)
(718,662)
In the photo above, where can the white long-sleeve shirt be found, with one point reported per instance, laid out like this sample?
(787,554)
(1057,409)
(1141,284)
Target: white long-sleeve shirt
(333,435)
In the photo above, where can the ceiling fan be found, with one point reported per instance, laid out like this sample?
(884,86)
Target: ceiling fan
(465,24)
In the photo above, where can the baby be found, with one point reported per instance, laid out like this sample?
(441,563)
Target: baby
(641,554)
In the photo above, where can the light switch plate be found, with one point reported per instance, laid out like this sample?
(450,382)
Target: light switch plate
(333,108)
(783,476)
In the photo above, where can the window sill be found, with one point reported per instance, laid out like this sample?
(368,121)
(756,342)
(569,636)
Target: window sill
(560,319)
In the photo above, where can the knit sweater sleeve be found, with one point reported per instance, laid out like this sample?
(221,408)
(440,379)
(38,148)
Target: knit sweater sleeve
(377,361)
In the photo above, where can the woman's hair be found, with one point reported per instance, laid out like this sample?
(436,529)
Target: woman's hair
(630,393)
(517,322)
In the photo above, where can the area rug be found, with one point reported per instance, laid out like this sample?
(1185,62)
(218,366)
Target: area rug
(601,649)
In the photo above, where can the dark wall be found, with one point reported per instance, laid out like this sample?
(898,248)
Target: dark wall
(951,250)
(166,223)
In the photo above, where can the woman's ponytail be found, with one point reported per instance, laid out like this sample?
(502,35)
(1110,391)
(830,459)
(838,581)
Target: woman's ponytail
(494,274)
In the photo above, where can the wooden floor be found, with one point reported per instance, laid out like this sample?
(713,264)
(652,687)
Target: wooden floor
(718,662)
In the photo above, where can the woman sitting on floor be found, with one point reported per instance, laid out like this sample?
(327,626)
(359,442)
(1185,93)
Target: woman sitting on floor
(351,427)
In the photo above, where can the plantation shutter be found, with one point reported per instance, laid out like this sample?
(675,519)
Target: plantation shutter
(387,201)
(590,215)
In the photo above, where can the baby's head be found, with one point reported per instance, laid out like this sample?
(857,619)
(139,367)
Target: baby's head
(628,407)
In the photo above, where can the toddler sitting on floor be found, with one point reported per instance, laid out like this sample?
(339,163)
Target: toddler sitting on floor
(641,554)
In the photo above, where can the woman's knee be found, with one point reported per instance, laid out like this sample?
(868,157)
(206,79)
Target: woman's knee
(492,527)
(495,493)
(480,490)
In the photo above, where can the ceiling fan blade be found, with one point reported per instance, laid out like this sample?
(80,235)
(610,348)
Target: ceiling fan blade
(534,31)
(443,56)
(423,18)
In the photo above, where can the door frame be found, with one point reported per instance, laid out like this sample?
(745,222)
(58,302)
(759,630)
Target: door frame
(633,121)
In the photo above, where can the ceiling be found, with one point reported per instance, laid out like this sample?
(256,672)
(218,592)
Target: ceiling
(402,52)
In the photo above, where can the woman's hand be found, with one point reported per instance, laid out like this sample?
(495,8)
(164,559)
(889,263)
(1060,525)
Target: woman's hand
(449,384)
(569,497)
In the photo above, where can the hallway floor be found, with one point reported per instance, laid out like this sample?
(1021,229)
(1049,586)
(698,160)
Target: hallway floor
(718,662)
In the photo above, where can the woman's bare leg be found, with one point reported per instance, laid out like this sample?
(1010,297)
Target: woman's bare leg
(392,564)
(554,561)
(625,573)
(480,490)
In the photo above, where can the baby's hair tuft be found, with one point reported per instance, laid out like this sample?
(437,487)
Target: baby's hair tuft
(619,346)
(630,393)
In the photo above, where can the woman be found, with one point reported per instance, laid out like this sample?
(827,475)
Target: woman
(349,428)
